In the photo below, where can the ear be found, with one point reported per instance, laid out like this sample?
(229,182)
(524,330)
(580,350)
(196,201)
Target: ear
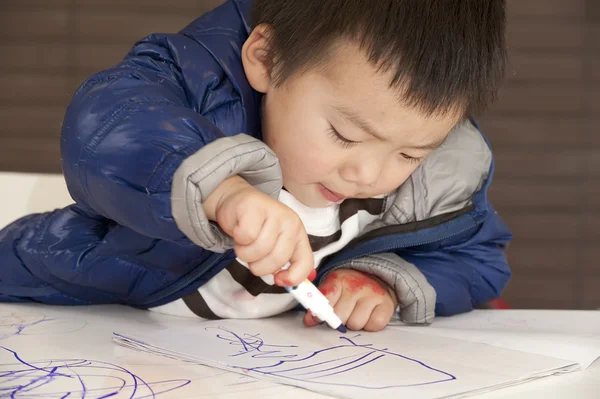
(256,59)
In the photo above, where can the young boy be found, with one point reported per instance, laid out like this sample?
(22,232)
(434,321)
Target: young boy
(325,134)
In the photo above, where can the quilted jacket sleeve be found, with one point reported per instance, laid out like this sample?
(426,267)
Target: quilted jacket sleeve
(129,129)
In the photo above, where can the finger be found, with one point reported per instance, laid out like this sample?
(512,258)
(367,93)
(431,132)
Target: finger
(380,317)
(276,259)
(361,314)
(331,287)
(248,227)
(344,306)
(227,218)
(302,262)
(310,320)
(262,246)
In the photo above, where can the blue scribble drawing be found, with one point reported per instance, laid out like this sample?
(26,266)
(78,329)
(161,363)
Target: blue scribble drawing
(74,378)
(346,364)
(13,324)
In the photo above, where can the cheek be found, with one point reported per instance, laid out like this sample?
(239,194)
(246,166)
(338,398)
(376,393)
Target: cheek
(395,175)
(306,163)
(298,138)
(315,157)
(304,157)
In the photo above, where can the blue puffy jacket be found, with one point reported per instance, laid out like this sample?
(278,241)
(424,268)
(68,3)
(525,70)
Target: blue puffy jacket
(126,132)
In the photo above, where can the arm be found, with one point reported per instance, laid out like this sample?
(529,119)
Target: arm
(451,279)
(136,150)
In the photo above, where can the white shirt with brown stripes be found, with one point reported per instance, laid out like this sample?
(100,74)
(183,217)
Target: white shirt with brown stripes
(235,293)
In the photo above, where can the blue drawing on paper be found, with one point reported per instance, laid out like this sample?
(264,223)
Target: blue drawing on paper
(345,364)
(74,378)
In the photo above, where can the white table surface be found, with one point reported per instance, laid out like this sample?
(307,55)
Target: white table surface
(27,193)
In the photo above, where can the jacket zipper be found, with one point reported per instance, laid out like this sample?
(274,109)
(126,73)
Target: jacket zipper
(397,246)
(187,280)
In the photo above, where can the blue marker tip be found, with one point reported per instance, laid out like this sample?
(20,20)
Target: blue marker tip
(342,329)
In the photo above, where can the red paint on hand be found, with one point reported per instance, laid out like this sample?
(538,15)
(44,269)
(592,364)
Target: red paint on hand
(328,287)
(282,282)
(312,275)
(356,283)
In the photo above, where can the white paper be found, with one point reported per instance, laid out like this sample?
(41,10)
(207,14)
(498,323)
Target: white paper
(574,323)
(387,364)
(57,352)
(571,335)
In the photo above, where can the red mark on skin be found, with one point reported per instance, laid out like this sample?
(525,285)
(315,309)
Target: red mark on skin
(328,287)
(282,282)
(312,275)
(357,282)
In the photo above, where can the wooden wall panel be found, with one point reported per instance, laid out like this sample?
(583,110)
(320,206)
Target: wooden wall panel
(35,57)
(541,292)
(541,35)
(546,9)
(531,68)
(187,7)
(100,26)
(544,131)
(524,195)
(45,25)
(30,121)
(30,154)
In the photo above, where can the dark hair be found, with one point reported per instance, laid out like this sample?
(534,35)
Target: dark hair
(446,54)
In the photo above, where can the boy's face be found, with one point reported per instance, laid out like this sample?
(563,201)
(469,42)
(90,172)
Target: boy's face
(341,131)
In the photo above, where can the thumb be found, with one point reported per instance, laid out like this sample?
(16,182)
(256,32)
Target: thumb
(242,225)
(227,219)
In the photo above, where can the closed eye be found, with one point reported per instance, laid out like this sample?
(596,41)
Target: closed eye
(410,159)
(341,140)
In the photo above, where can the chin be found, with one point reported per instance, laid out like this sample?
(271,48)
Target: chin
(311,201)
(314,203)
(308,195)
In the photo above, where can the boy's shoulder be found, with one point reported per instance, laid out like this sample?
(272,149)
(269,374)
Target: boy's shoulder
(447,181)
(208,54)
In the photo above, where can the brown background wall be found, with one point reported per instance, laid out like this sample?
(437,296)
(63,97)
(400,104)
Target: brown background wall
(543,129)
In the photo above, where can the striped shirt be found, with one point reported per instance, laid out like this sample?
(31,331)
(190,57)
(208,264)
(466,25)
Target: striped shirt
(236,293)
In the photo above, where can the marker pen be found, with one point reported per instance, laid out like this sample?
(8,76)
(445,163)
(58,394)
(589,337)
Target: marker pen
(314,301)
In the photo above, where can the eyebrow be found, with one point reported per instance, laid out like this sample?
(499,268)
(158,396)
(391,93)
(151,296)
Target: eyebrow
(359,121)
(363,124)
(428,147)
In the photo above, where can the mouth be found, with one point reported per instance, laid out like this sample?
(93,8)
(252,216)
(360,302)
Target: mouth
(329,195)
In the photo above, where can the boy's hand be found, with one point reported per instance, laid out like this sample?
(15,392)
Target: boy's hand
(267,233)
(360,300)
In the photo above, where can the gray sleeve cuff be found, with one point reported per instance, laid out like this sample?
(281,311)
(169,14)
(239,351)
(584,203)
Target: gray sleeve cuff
(416,297)
(199,175)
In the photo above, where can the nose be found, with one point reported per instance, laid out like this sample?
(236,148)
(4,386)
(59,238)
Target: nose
(363,171)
